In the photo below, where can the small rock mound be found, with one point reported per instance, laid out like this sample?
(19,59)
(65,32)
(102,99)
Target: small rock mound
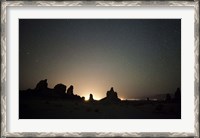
(60,88)
(91,99)
(70,90)
(42,85)
(111,97)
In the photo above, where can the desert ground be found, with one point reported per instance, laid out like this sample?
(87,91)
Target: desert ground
(62,109)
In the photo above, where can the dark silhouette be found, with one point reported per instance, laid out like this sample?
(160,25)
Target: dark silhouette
(42,85)
(61,103)
(83,98)
(177,95)
(59,91)
(111,97)
(91,98)
(168,97)
(70,90)
(60,88)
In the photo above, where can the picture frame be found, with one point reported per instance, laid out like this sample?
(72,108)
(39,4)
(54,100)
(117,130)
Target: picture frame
(5,5)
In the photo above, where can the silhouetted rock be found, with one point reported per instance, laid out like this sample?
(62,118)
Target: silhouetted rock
(42,85)
(111,97)
(70,90)
(177,95)
(42,91)
(83,98)
(168,97)
(91,98)
(60,88)
(147,98)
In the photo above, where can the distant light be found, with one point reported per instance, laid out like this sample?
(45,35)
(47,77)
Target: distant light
(133,99)
(154,99)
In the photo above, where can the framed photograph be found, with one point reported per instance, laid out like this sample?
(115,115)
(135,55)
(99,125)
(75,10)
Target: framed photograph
(100,69)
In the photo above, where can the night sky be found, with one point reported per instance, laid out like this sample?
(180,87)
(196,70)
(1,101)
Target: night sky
(138,57)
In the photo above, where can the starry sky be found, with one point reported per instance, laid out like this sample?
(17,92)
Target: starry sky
(138,57)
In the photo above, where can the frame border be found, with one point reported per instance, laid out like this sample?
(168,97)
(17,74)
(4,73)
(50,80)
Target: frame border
(6,4)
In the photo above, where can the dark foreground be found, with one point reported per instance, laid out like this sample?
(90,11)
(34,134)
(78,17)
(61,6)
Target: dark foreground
(61,109)
(61,103)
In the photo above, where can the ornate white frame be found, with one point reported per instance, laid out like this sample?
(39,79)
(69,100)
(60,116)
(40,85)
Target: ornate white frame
(5,4)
